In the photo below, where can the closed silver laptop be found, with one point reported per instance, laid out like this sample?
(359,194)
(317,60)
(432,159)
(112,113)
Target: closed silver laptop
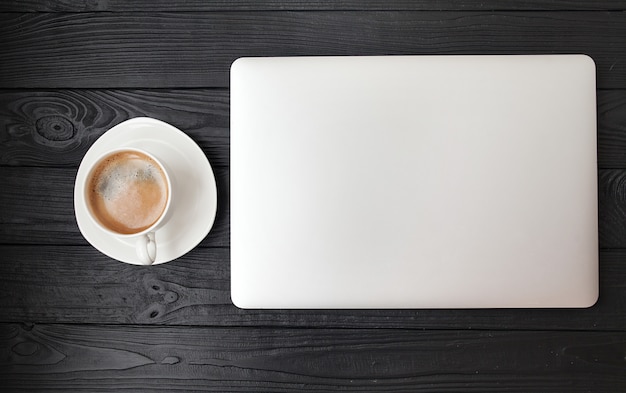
(414,182)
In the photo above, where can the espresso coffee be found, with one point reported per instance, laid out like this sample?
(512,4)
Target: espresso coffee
(127,192)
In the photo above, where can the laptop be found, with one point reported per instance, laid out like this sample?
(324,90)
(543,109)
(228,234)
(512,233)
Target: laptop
(414,182)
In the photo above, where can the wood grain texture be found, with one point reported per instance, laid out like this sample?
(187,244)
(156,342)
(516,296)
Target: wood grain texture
(612,208)
(77,284)
(96,358)
(612,129)
(57,127)
(302,5)
(31,216)
(38,207)
(103,50)
(83,285)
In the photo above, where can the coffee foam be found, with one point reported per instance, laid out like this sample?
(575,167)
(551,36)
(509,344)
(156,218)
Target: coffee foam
(128,192)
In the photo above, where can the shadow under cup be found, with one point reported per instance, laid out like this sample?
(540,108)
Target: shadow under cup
(127,192)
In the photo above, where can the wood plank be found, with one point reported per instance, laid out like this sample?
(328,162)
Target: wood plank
(612,129)
(612,208)
(77,284)
(303,5)
(31,216)
(29,118)
(97,358)
(57,127)
(38,207)
(92,50)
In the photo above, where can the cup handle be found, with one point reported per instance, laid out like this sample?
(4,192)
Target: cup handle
(146,249)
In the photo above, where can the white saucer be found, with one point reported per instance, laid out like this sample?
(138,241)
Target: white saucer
(194,197)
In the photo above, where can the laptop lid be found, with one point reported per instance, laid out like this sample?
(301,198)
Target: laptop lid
(414,182)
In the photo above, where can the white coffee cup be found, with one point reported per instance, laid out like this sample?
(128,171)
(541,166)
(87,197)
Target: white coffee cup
(128,195)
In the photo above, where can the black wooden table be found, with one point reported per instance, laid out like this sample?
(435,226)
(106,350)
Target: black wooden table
(73,319)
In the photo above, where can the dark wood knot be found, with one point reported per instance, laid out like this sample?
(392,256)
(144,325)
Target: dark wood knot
(170,360)
(55,128)
(170,297)
(25,348)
